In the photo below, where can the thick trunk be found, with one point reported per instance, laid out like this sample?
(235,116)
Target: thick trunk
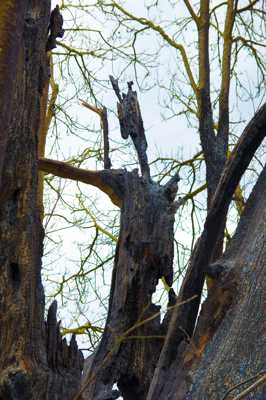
(130,348)
(34,362)
(174,354)
(228,346)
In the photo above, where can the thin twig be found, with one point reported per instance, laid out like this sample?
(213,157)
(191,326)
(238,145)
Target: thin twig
(249,388)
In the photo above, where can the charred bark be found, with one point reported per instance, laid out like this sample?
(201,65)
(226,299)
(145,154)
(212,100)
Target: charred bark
(131,124)
(34,361)
(133,352)
(146,358)
(183,319)
(133,335)
(228,346)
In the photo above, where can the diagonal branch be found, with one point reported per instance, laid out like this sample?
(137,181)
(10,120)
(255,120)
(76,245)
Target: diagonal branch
(116,88)
(191,11)
(248,6)
(109,181)
(238,162)
(223,124)
(184,318)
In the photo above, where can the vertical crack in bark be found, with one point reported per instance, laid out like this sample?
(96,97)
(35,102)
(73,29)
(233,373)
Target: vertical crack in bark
(15,275)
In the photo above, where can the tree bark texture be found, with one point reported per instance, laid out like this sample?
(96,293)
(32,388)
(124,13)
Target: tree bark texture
(148,359)
(228,346)
(133,334)
(236,351)
(34,361)
(185,316)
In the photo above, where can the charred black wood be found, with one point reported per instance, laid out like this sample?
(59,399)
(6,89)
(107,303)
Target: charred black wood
(55,28)
(106,147)
(131,124)
(133,335)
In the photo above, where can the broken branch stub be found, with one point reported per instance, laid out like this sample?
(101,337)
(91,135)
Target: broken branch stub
(102,112)
(110,182)
(131,124)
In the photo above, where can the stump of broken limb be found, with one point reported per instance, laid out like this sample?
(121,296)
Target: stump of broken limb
(133,335)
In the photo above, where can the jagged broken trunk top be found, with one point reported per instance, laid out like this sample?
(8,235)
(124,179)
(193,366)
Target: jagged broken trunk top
(133,334)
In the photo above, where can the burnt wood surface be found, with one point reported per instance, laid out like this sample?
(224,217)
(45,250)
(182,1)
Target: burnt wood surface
(146,358)
(228,346)
(184,318)
(133,335)
(35,363)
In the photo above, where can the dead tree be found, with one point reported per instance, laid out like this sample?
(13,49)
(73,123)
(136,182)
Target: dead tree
(181,357)
(137,351)
(35,363)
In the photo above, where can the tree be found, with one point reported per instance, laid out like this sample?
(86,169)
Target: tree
(35,363)
(180,357)
(143,44)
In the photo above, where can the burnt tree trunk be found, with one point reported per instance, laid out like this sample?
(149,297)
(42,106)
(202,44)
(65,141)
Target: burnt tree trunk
(34,361)
(230,336)
(133,335)
(228,345)
(173,359)
(181,357)
(148,359)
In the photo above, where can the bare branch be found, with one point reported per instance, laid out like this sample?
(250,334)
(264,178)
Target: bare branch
(248,6)
(223,124)
(191,11)
(116,88)
(165,36)
(91,107)
(108,181)
(236,165)
(218,6)
(206,130)
(102,112)
(263,373)
(251,388)
(106,159)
